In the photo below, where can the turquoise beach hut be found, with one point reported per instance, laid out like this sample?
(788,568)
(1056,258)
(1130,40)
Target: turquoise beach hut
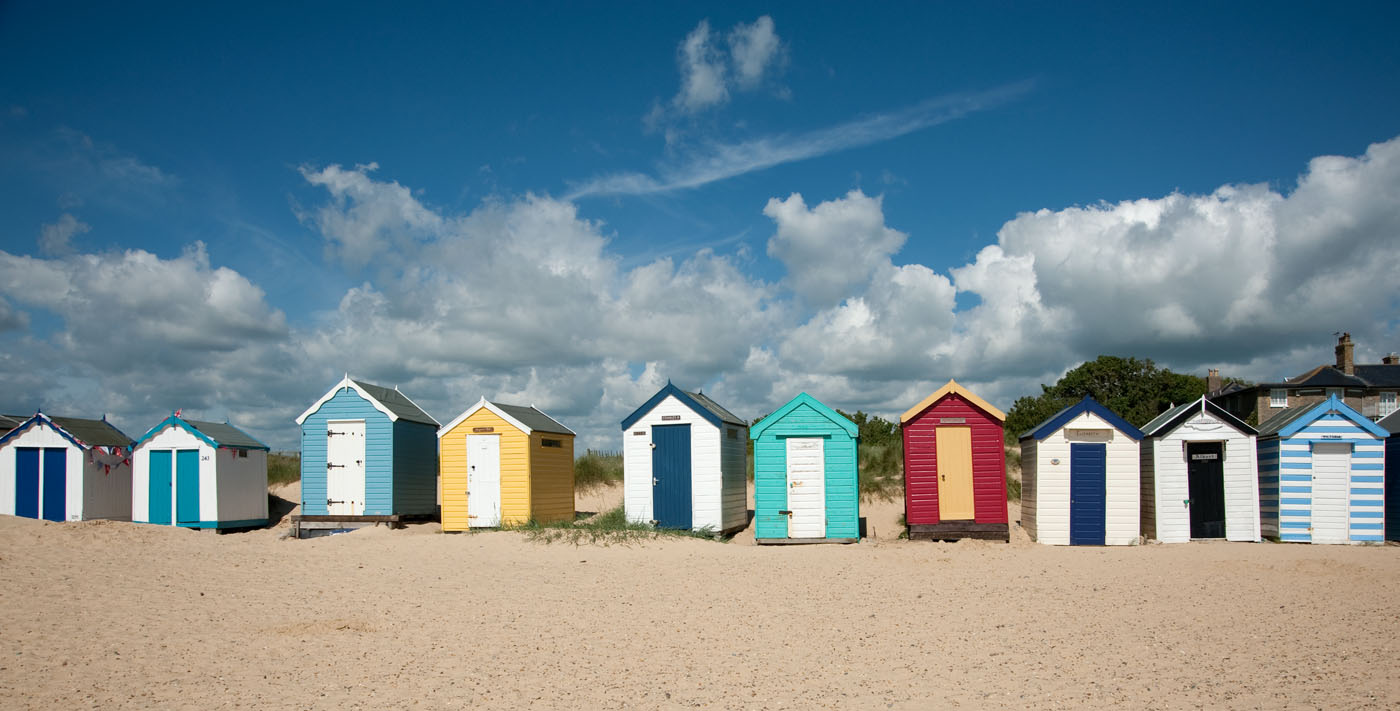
(804,475)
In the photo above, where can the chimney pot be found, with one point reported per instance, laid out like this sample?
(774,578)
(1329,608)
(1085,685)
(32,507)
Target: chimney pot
(1391,359)
(1212,380)
(1344,355)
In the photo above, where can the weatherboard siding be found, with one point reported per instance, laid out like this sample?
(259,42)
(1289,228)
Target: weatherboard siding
(552,477)
(175,438)
(1165,464)
(1052,484)
(379,453)
(734,454)
(1148,487)
(705,465)
(770,474)
(921,461)
(241,484)
(1029,489)
(514,464)
(1289,460)
(415,468)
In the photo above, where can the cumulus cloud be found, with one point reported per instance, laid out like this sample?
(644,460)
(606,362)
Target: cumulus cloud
(833,247)
(703,82)
(57,238)
(709,73)
(756,51)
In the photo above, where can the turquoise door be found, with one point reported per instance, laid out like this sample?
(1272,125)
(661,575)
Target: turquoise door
(158,488)
(187,486)
(55,484)
(27,482)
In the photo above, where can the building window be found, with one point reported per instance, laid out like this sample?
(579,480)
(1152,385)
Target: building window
(1278,398)
(243,453)
(552,443)
(734,434)
(1337,392)
(1387,403)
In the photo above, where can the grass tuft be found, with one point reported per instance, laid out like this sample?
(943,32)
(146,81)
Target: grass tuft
(595,469)
(881,472)
(605,529)
(283,468)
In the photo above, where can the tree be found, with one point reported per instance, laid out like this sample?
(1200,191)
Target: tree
(1135,389)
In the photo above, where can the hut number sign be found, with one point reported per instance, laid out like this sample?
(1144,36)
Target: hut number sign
(669,418)
(483,429)
(1205,457)
(952,420)
(1089,435)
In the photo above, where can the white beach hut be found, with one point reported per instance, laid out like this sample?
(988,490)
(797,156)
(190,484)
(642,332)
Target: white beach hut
(199,475)
(1200,478)
(65,469)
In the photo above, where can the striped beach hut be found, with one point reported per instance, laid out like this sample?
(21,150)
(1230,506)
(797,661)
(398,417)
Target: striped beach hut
(1079,478)
(367,451)
(505,464)
(1391,424)
(1199,476)
(65,469)
(954,467)
(804,475)
(685,463)
(1322,475)
(199,475)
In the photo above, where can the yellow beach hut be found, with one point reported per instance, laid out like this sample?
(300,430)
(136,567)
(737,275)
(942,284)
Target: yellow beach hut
(505,464)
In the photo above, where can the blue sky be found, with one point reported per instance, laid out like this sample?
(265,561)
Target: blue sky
(568,205)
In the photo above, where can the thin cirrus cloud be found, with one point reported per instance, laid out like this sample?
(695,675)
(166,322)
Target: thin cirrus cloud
(716,161)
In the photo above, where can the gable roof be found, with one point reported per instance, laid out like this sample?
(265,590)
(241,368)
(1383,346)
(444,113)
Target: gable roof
(81,432)
(1290,421)
(1390,423)
(804,399)
(1090,405)
(522,417)
(1174,417)
(952,388)
(9,422)
(213,433)
(699,402)
(389,401)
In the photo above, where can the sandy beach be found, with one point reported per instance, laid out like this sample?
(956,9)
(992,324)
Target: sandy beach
(118,615)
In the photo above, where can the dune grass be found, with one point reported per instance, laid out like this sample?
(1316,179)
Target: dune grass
(604,529)
(597,468)
(881,472)
(283,468)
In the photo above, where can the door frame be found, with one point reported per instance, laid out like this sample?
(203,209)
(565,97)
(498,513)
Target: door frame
(682,479)
(354,487)
(970,487)
(55,486)
(790,485)
(476,488)
(1100,521)
(184,478)
(1191,492)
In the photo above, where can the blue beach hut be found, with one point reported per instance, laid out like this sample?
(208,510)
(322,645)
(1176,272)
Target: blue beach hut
(804,475)
(1322,475)
(367,451)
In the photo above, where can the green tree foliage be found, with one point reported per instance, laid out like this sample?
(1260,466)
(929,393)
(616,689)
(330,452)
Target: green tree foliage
(1134,388)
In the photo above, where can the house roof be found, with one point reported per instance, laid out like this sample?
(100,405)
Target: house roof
(1329,376)
(82,432)
(804,399)
(525,418)
(9,422)
(699,402)
(1090,405)
(214,433)
(1290,421)
(389,401)
(1381,376)
(1174,417)
(952,388)
(1390,423)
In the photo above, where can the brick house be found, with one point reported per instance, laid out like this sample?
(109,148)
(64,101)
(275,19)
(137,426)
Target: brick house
(1368,389)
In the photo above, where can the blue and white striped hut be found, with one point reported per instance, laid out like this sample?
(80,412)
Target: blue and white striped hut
(1322,475)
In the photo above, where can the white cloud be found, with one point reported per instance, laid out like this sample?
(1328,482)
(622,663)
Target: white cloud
(833,247)
(367,219)
(57,237)
(755,50)
(703,72)
(711,161)
(708,73)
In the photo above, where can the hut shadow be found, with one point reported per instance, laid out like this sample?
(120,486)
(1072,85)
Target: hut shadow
(278,509)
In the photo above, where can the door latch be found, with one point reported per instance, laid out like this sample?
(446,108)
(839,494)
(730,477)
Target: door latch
(334,466)
(784,513)
(330,502)
(655,481)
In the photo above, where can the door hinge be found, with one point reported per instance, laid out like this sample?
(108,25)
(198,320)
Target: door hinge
(333,501)
(784,513)
(334,466)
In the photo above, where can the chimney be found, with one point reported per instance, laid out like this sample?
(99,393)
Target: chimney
(1212,380)
(1344,362)
(1391,359)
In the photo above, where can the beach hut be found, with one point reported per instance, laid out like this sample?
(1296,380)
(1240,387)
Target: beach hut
(1199,477)
(367,453)
(1391,424)
(954,467)
(1079,478)
(685,463)
(65,469)
(1322,475)
(804,475)
(505,464)
(199,475)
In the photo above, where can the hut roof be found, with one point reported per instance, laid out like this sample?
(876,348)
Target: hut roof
(1088,404)
(82,432)
(215,433)
(389,401)
(1173,417)
(699,402)
(1290,421)
(804,399)
(952,388)
(525,418)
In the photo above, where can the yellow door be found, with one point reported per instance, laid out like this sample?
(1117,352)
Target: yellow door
(954,473)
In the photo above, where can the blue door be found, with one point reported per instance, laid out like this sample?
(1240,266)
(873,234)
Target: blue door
(187,486)
(27,482)
(1392,488)
(55,484)
(158,487)
(670,471)
(1088,493)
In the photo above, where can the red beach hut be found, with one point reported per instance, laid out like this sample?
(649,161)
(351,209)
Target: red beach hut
(954,467)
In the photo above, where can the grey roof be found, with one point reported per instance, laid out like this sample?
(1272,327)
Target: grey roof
(1151,427)
(1383,376)
(1391,423)
(9,422)
(1272,425)
(226,435)
(534,419)
(714,407)
(1174,416)
(397,403)
(97,433)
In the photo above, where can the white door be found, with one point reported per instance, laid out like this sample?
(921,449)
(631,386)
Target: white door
(345,467)
(483,481)
(806,482)
(1331,480)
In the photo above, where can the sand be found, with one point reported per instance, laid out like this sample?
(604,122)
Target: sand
(118,615)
